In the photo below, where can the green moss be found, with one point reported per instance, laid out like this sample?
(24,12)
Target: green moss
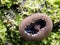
(9,33)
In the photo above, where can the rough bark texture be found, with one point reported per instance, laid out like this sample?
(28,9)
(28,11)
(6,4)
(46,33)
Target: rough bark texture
(43,30)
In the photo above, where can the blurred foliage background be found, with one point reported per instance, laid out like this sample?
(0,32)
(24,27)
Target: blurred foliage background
(12,12)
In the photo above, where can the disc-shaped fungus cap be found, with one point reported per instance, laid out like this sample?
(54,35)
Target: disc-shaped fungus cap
(35,27)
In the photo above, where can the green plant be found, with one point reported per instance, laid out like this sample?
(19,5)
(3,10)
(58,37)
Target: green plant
(9,24)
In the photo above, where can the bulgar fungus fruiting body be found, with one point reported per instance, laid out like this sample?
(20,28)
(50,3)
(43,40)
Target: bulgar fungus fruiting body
(35,27)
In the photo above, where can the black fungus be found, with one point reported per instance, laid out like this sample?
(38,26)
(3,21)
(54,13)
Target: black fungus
(31,29)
